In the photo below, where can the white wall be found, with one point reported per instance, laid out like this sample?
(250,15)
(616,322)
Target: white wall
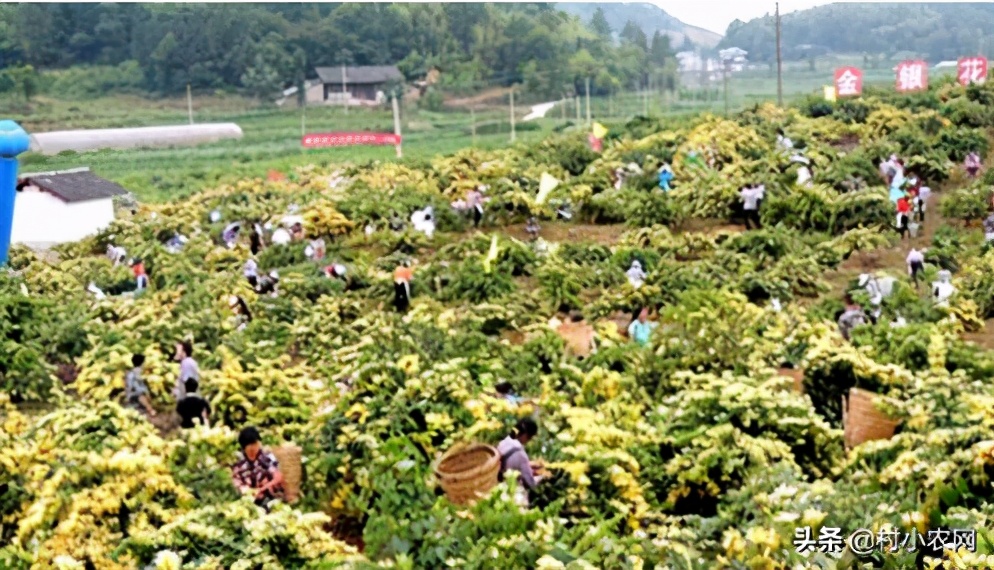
(40,218)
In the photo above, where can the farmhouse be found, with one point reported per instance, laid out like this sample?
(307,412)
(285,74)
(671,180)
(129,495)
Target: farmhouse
(58,207)
(362,85)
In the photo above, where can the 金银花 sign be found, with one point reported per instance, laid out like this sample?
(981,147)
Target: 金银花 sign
(912,76)
(349,139)
(971,70)
(848,81)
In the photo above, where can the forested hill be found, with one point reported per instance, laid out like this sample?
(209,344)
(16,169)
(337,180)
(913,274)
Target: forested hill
(934,31)
(649,17)
(261,48)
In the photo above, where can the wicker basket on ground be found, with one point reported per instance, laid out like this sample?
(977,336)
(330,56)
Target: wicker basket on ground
(469,472)
(862,421)
(289,457)
(797,375)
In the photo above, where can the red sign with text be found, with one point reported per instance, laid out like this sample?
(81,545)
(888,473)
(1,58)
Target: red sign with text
(971,70)
(349,139)
(848,81)
(912,76)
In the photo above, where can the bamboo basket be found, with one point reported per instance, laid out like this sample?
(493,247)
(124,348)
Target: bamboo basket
(467,473)
(797,375)
(862,421)
(290,460)
(578,337)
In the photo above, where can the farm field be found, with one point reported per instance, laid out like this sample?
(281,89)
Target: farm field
(746,432)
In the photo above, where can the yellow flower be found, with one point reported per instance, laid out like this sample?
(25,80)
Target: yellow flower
(548,563)
(812,518)
(409,364)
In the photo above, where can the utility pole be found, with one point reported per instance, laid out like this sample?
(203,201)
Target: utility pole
(472,123)
(589,122)
(779,62)
(645,102)
(303,121)
(189,102)
(512,113)
(396,123)
(345,54)
(727,67)
(577,105)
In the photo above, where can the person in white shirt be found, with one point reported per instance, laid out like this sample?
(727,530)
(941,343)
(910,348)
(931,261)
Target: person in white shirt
(636,276)
(750,206)
(921,202)
(424,222)
(784,143)
(916,264)
(251,272)
(943,289)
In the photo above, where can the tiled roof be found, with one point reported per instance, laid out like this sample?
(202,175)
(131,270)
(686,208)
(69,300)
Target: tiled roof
(74,185)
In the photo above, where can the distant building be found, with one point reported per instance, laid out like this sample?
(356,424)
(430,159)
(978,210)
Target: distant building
(362,84)
(313,89)
(57,207)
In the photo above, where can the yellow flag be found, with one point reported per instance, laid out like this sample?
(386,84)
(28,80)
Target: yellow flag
(829,93)
(545,187)
(599,130)
(491,255)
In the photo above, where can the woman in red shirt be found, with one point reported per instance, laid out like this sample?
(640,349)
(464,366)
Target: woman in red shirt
(903,213)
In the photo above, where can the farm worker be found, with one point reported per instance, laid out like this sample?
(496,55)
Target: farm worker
(255,239)
(116,254)
(370,229)
(636,276)
(903,215)
(136,395)
(750,196)
(474,201)
(141,279)
(187,368)
(506,391)
(97,292)
(565,211)
(230,234)
(175,244)
(315,250)
(193,409)
(804,176)
(513,457)
(268,284)
(396,222)
(423,221)
(335,271)
(241,310)
(989,228)
(257,470)
(665,177)
(898,322)
(251,272)
(532,228)
(943,289)
(281,237)
(297,231)
(921,202)
(878,289)
(641,329)
(916,264)
(761,191)
(783,142)
(851,318)
(972,164)
(402,277)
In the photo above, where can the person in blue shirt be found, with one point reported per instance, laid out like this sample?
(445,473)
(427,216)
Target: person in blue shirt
(665,176)
(641,329)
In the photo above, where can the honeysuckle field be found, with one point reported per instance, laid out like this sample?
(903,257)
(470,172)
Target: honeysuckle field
(691,453)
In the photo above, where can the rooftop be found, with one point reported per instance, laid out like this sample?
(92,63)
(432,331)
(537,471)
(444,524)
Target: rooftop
(77,185)
(360,75)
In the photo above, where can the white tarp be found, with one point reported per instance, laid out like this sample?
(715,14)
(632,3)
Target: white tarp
(539,111)
(141,137)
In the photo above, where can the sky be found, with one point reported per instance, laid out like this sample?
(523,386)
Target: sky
(715,15)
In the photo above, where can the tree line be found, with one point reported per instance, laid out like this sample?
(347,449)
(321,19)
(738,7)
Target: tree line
(936,32)
(262,48)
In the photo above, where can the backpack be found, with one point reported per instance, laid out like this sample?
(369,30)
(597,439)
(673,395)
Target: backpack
(503,463)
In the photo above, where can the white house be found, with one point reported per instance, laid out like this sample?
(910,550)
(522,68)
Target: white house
(58,207)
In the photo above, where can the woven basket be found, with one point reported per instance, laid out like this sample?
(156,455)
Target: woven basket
(578,337)
(289,457)
(797,375)
(862,421)
(467,473)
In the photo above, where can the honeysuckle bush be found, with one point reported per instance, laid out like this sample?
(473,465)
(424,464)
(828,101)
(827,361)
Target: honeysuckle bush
(690,453)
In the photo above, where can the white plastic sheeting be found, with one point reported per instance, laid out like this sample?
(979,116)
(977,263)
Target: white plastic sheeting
(142,137)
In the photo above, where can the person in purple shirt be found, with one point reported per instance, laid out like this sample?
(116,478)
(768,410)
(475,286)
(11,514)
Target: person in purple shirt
(187,368)
(513,457)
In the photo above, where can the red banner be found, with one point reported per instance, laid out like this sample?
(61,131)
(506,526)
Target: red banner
(971,70)
(349,139)
(848,81)
(912,76)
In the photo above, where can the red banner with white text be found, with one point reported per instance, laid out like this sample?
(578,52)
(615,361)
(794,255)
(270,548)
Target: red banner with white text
(319,140)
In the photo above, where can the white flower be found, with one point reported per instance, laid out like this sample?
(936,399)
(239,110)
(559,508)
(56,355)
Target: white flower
(167,560)
(548,563)
(65,562)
